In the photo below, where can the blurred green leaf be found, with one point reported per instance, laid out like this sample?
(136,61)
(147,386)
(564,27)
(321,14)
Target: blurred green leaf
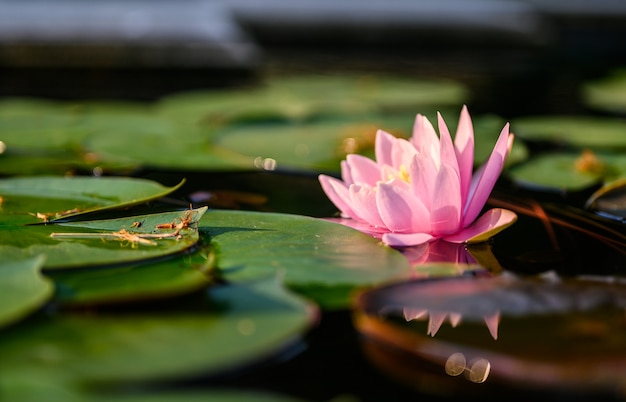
(597,133)
(23,289)
(232,327)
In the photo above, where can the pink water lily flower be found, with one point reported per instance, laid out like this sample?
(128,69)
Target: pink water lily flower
(423,188)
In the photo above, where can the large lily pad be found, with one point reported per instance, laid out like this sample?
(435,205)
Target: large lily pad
(23,288)
(136,282)
(100,242)
(55,197)
(232,327)
(325,260)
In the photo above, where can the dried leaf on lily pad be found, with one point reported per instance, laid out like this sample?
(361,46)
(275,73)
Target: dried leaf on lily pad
(324,260)
(46,198)
(228,328)
(100,242)
(23,289)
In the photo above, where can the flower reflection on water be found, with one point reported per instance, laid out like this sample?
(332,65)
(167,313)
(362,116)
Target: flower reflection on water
(437,318)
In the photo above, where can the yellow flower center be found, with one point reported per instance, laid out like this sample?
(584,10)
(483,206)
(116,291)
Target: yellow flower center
(402,174)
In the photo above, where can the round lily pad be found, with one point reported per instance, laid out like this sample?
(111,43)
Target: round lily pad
(324,260)
(233,326)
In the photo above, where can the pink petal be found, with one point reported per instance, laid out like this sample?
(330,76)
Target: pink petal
(489,224)
(363,170)
(424,136)
(402,153)
(445,210)
(363,203)
(406,239)
(485,178)
(464,147)
(346,174)
(383,147)
(423,174)
(446,147)
(338,193)
(393,206)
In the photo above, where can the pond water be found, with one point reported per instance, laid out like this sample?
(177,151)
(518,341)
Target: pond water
(130,289)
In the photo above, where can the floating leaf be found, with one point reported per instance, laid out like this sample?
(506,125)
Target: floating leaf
(554,171)
(577,131)
(152,280)
(308,252)
(607,93)
(63,197)
(99,242)
(311,96)
(229,329)
(22,288)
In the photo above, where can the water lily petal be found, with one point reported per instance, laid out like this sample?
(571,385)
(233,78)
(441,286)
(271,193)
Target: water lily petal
(393,201)
(485,177)
(383,147)
(464,147)
(446,147)
(363,170)
(424,137)
(485,227)
(423,174)
(406,239)
(402,153)
(346,174)
(363,203)
(445,210)
(338,193)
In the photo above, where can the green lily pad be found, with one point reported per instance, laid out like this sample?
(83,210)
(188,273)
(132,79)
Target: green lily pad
(135,282)
(40,390)
(311,96)
(56,197)
(569,171)
(307,252)
(553,171)
(607,93)
(22,289)
(320,145)
(231,327)
(100,242)
(174,146)
(575,131)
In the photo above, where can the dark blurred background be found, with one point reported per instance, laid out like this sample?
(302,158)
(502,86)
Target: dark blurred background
(520,56)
